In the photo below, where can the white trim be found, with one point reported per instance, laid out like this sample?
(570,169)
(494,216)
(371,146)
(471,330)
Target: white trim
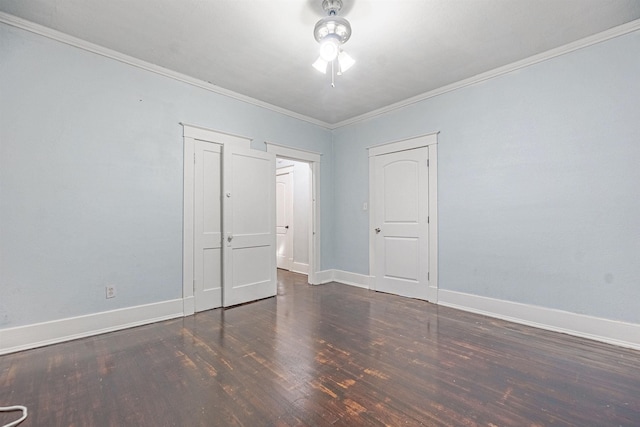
(352,279)
(293,153)
(315,241)
(324,276)
(344,277)
(205,134)
(52,34)
(618,31)
(188,226)
(300,267)
(430,141)
(595,328)
(189,303)
(403,144)
(40,334)
(432,291)
(314,222)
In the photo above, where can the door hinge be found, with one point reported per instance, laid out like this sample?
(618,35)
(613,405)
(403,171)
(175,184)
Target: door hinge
(427,162)
(428,276)
(194,158)
(428,218)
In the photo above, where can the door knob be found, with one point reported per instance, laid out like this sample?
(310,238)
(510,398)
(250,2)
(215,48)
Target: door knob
(229,237)
(377,230)
(286,226)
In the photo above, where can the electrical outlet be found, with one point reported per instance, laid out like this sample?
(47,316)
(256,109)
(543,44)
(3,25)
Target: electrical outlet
(110,291)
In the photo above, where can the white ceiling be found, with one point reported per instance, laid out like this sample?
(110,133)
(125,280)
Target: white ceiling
(264,49)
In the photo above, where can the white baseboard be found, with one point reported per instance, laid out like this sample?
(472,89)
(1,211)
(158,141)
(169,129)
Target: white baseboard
(46,333)
(189,305)
(344,277)
(324,276)
(299,267)
(352,279)
(610,331)
(595,328)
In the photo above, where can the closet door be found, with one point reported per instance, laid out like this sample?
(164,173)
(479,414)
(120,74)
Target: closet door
(249,245)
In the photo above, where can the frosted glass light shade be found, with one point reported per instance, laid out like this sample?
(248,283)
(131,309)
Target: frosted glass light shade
(321,65)
(345,61)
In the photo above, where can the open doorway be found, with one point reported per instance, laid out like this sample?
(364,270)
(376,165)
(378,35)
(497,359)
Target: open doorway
(293,214)
(311,162)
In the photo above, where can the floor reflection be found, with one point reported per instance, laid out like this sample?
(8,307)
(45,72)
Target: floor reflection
(326,355)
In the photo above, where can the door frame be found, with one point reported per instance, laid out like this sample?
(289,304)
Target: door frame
(430,141)
(191,133)
(313,159)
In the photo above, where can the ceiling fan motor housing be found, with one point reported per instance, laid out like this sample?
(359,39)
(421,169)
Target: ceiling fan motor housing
(332,26)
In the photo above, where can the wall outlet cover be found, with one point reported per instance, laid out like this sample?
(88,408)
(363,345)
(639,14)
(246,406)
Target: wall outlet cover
(110,291)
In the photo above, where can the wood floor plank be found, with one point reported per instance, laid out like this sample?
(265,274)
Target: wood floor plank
(329,355)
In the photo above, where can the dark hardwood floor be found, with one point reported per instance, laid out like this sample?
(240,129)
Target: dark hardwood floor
(326,355)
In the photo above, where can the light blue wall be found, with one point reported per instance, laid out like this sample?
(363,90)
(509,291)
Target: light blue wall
(538,181)
(91,159)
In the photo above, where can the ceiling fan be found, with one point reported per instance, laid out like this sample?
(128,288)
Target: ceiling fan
(332,32)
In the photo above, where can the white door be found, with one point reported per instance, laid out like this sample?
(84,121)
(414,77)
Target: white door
(401,223)
(249,247)
(284,217)
(207,227)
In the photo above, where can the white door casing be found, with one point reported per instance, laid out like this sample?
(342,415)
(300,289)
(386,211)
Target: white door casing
(284,217)
(248,220)
(403,255)
(207,280)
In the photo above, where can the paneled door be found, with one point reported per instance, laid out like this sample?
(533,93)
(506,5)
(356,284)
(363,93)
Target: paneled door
(401,186)
(284,217)
(249,245)
(207,272)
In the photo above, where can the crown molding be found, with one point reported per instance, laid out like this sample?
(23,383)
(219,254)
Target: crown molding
(618,31)
(41,30)
(103,51)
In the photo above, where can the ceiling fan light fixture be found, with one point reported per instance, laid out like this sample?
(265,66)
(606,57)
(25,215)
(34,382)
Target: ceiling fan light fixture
(345,61)
(321,65)
(332,32)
